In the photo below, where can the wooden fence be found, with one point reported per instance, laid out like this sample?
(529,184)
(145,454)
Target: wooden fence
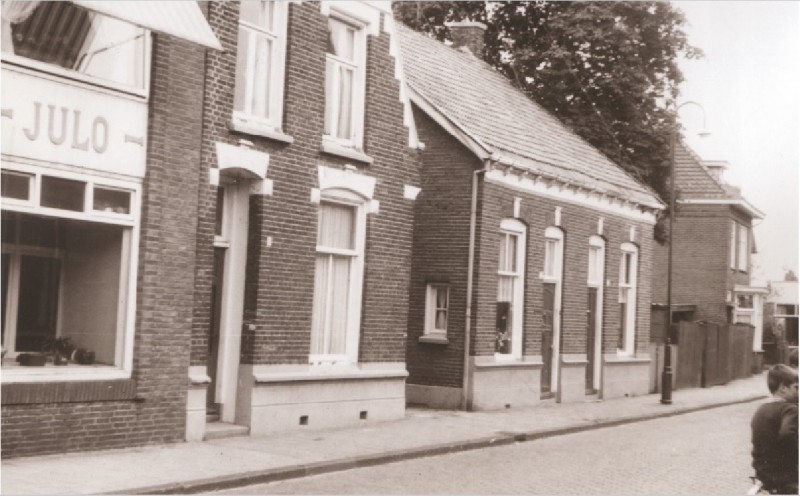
(711,354)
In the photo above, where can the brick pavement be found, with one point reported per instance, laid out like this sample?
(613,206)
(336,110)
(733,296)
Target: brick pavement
(232,462)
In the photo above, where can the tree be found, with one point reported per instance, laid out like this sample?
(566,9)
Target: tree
(790,276)
(605,69)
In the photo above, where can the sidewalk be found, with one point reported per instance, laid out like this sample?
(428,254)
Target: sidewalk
(219,463)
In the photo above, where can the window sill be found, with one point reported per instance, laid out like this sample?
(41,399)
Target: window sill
(327,374)
(333,148)
(17,374)
(434,339)
(256,130)
(626,359)
(497,361)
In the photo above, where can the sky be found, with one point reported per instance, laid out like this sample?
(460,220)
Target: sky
(748,83)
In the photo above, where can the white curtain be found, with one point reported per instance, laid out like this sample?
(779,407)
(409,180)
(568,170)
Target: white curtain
(329,315)
(505,288)
(336,228)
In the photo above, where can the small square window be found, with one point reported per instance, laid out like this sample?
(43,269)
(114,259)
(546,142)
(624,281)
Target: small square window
(112,200)
(64,194)
(16,186)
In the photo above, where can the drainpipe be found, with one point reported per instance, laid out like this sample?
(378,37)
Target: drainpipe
(466,396)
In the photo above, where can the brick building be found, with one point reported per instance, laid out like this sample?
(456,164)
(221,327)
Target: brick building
(712,247)
(222,235)
(532,251)
(304,237)
(101,121)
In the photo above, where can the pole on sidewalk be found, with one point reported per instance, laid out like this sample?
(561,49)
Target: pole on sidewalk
(666,374)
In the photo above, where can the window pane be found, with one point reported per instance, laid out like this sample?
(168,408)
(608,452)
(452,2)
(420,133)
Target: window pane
(260,84)
(242,56)
(503,328)
(341,39)
(505,288)
(331,78)
(38,302)
(329,315)
(16,186)
(441,298)
(441,320)
(744,301)
(344,126)
(64,194)
(503,259)
(112,200)
(260,13)
(336,226)
(743,247)
(63,34)
(733,245)
(551,246)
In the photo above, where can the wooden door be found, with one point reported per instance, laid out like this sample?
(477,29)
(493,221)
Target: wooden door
(548,307)
(591,330)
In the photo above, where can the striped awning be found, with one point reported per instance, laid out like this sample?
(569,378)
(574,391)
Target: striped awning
(182,19)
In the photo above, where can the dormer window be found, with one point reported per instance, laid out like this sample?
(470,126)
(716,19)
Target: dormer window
(260,62)
(345,82)
(62,37)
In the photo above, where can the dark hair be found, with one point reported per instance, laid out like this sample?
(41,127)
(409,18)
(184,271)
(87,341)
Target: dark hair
(793,358)
(780,374)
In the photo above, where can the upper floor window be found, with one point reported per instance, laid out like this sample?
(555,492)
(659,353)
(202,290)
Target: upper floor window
(596,261)
(62,37)
(345,82)
(260,62)
(739,247)
(628,268)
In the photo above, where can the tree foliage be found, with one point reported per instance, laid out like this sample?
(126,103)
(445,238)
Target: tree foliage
(606,69)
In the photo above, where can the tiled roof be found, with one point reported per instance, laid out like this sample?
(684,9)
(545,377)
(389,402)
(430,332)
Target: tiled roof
(483,103)
(693,179)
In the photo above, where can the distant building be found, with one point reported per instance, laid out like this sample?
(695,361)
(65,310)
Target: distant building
(780,320)
(532,251)
(712,246)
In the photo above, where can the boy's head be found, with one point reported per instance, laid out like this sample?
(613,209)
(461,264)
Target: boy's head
(782,382)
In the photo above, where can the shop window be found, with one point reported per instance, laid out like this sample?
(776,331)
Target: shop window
(345,82)
(68,273)
(66,36)
(437,308)
(338,278)
(260,62)
(16,186)
(627,298)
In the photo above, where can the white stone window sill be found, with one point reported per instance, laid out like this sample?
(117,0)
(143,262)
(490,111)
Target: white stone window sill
(53,373)
(334,148)
(498,361)
(327,374)
(257,130)
(434,338)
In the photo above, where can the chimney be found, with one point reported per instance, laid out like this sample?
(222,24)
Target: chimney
(468,34)
(716,168)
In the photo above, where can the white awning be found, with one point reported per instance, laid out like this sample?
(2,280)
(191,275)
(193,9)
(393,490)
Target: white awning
(182,19)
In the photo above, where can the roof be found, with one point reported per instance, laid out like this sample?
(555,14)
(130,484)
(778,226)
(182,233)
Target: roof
(497,117)
(698,185)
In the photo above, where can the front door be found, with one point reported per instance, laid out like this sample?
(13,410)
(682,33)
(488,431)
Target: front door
(591,328)
(548,310)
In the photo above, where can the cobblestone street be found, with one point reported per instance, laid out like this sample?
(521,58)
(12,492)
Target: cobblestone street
(700,453)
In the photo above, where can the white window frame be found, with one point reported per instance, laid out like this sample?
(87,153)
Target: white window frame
(126,315)
(743,248)
(597,258)
(732,257)
(356,141)
(516,229)
(431,307)
(631,287)
(59,73)
(277,70)
(553,233)
(348,198)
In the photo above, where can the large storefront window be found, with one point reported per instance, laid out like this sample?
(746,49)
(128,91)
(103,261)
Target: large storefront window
(64,35)
(67,274)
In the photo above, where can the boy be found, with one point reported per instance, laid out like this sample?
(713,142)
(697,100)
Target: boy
(774,428)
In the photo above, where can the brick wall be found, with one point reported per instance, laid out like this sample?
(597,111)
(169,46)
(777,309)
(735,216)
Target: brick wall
(701,261)
(282,233)
(149,408)
(441,240)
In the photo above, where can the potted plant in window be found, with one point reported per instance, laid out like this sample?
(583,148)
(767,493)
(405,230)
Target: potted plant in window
(61,349)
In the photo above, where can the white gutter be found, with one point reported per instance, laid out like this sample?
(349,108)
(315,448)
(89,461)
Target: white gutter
(741,203)
(466,379)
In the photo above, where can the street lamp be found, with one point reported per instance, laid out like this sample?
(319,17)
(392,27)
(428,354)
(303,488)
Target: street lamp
(666,374)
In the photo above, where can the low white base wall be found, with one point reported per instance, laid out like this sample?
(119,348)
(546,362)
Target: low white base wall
(625,376)
(282,398)
(442,398)
(498,384)
(196,403)
(572,378)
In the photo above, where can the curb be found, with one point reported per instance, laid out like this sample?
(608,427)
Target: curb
(337,465)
